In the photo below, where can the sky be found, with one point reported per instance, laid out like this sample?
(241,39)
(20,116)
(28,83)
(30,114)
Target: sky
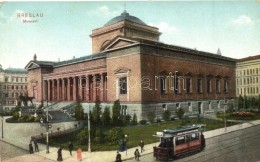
(62,29)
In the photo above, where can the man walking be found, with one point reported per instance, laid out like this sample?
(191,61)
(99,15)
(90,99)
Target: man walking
(137,155)
(70,147)
(141,144)
(36,148)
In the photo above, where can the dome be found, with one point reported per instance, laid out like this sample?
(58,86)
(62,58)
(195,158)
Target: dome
(124,16)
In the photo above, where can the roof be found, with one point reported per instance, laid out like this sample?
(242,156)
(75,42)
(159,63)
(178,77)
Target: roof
(51,64)
(249,58)
(179,131)
(16,70)
(124,17)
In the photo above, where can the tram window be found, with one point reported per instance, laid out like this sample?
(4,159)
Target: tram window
(187,138)
(180,140)
(194,136)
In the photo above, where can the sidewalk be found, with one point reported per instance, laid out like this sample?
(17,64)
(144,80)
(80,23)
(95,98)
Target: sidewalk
(22,139)
(20,134)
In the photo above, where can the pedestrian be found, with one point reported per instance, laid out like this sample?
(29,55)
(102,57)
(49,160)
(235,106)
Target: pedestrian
(59,154)
(70,147)
(79,154)
(118,157)
(137,155)
(141,144)
(30,147)
(36,148)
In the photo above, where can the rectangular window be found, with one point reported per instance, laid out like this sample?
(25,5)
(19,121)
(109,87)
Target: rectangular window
(123,85)
(217,86)
(6,79)
(176,85)
(188,85)
(194,136)
(162,85)
(225,86)
(208,86)
(199,85)
(180,140)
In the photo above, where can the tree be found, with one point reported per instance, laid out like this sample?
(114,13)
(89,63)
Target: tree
(151,116)
(97,113)
(166,115)
(116,113)
(79,112)
(114,135)
(106,119)
(134,121)
(258,102)
(246,103)
(240,102)
(180,112)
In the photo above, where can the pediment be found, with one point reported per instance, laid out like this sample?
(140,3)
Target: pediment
(32,65)
(122,70)
(118,43)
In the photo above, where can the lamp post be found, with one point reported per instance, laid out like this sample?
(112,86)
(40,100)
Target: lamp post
(2,126)
(225,120)
(89,141)
(47,125)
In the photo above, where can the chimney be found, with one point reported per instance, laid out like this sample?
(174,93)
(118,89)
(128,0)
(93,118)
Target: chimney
(34,57)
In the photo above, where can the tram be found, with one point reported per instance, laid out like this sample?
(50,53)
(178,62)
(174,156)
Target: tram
(179,142)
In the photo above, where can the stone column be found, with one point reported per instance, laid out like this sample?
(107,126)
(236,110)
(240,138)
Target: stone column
(94,88)
(87,88)
(49,90)
(68,89)
(101,97)
(74,89)
(58,89)
(63,89)
(79,87)
(44,90)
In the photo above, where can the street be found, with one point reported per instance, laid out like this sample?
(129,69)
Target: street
(8,151)
(237,146)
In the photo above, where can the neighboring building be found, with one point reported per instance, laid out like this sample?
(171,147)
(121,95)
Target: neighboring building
(129,63)
(13,83)
(248,76)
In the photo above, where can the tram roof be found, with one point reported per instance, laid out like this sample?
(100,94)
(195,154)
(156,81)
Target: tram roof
(182,129)
(177,131)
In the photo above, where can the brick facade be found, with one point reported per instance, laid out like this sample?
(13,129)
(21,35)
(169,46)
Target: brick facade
(131,52)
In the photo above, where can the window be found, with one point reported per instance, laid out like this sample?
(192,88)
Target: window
(12,87)
(16,79)
(225,86)
(123,110)
(199,85)
(176,85)
(217,86)
(162,85)
(6,79)
(208,85)
(194,136)
(123,85)
(188,85)
(25,87)
(180,140)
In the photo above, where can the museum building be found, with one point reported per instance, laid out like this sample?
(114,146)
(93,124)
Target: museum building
(129,63)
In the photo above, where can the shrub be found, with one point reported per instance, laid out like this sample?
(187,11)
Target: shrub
(134,121)
(114,135)
(166,115)
(142,122)
(15,115)
(151,116)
